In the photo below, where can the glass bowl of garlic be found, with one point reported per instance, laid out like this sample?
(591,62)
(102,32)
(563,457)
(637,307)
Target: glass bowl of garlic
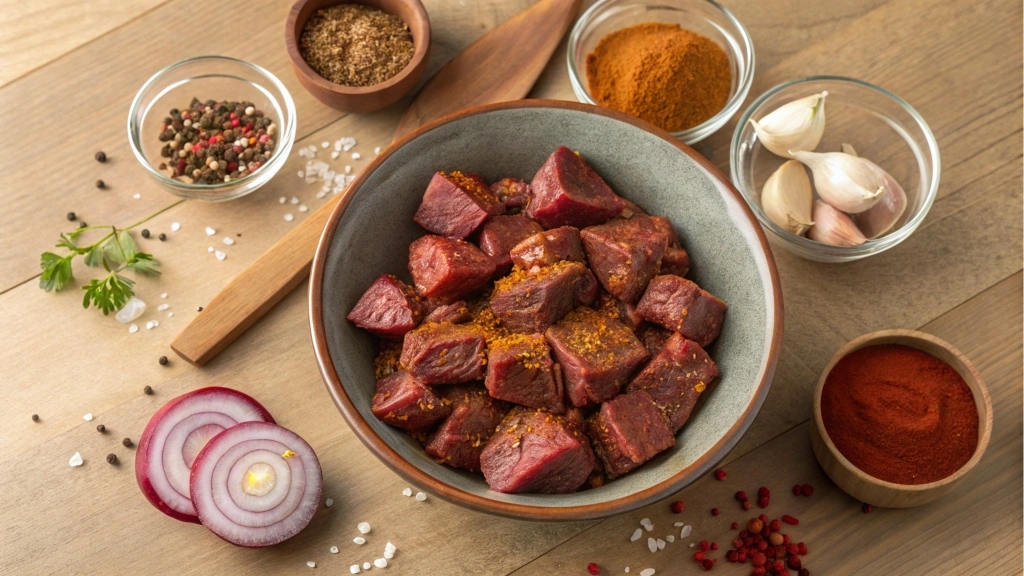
(836,169)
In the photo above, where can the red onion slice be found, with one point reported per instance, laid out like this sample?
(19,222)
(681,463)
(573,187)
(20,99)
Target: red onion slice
(174,437)
(256,484)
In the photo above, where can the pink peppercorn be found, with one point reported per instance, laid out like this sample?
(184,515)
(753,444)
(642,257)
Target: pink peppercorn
(707,564)
(763,501)
(775,526)
(778,565)
(758,559)
(720,474)
(714,545)
(699,556)
(678,507)
(264,138)
(866,508)
(741,495)
(714,512)
(759,571)
(593,568)
(704,545)
(796,490)
(794,562)
(735,525)
(790,520)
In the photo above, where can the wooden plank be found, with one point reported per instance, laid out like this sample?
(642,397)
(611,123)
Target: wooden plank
(33,34)
(976,529)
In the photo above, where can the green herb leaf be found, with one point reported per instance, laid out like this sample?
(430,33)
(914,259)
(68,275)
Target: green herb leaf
(144,264)
(108,294)
(94,257)
(68,241)
(128,246)
(113,254)
(56,271)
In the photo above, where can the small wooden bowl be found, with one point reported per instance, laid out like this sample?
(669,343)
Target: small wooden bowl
(360,99)
(877,492)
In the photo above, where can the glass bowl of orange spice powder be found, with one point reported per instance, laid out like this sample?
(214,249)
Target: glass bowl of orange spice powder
(683,65)
(900,418)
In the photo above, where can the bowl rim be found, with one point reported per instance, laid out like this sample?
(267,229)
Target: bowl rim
(284,143)
(399,465)
(872,246)
(962,365)
(706,128)
(421,44)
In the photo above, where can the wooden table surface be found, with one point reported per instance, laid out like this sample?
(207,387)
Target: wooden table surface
(70,70)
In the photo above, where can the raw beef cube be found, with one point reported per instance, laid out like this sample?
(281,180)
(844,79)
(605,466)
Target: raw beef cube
(520,370)
(628,431)
(529,301)
(502,233)
(567,192)
(597,355)
(448,269)
(629,208)
(512,192)
(389,308)
(407,403)
(586,289)
(653,337)
(460,439)
(445,353)
(456,204)
(682,306)
(665,225)
(454,313)
(624,254)
(622,311)
(549,247)
(676,377)
(675,261)
(534,451)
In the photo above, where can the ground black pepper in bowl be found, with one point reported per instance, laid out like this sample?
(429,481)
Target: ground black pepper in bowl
(213,142)
(356,45)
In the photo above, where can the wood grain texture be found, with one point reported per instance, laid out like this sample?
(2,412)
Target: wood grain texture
(958,277)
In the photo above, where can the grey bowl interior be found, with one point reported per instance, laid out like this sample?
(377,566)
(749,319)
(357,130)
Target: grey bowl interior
(727,247)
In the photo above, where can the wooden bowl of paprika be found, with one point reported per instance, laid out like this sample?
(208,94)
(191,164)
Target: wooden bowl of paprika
(900,417)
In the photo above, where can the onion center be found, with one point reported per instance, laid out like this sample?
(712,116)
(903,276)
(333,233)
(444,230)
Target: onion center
(259,479)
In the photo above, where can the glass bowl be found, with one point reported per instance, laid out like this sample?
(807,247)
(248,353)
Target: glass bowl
(216,78)
(881,127)
(704,17)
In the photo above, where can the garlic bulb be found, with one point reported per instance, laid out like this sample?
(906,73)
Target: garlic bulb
(846,182)
(833,227)
(881,217)
(795,126)
(787,197)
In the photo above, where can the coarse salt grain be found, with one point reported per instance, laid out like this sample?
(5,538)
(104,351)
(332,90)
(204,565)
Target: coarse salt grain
(661,544)
(354,569)
(163,295)
(169,314)
(670,538)
(301,175)
(220,255)
(303,208)
(162,307)
(289,217)
(652,544)
(229,240)
(685,531)
(389,548)
(636,535)
(88,417)
(295,200)
(210,231)
(366,565)
(282,199)
(420,496)
(347,143)
(175,226)
(647,572)
(646,523)
(329,502)
(209,248)
(133,328)
(380,563)
(334,549)
(76,460)
(311,564)
(376,150)
(692,544)
(407,492)
(348,169)
(335,154)
(137,196)
(325,144)
(359,540)
(364,527)
(627,568)
(678,524)
(356,155)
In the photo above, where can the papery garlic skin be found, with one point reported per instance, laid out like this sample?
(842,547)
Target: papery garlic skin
(834,228)
(787,198)
(846,182)
(795,126)
(881,217)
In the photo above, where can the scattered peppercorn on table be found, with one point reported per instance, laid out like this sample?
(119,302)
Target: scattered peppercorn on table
(958,277)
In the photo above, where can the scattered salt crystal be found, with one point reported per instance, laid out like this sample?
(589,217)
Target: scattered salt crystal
(627,568)
(685,531)
(380,563)
(356,155)
(311,564)
(210,231)
(288,217)
(389,548)
(359,540)
(131,310)
(76,460)
(325,144)
(303,208)
(407,492)
(87,417)
(137,196)
(366,565)
(647,572)
(670,538)
(678,524)
(334,155)
(364,527)
(376,150)
(169,314)
(133,328)
(354,569)
(321,194)
(152,324)
(347,143)
(334,549)
(163,295)
(661,544)
(337,144)
(295,200)
(636,535)
(282,199)
(301,175)
(420,496)
(229,240)
(209,248)
(220,255)
(652,544)
(175,226)
(162,307)
(646,523)
(329,503)
(348,169)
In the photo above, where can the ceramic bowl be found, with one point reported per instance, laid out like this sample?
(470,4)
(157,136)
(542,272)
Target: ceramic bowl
(370,230)
(360,99)
(869,489)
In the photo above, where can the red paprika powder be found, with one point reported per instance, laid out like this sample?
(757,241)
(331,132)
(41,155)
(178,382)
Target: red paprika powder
(900,414)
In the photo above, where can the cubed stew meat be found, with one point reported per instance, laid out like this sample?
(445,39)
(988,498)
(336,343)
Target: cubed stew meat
(548,339)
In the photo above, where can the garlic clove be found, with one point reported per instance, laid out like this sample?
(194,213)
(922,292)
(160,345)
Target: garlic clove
(846,182)
(787,197)
(834,228)
(881,217)
(848,149)
(797,125)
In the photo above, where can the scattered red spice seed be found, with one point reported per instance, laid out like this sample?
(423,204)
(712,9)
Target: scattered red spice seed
(732,556)
(707,564)
(593,568)
(741,495)
(797,490)
(758,559)
(790,520)
(714,545)
(735,525)
(763,492)
(720,474)
(775,526)
(678,507)
(803,549)
(807,489)
(763,501)
(794,562)
(714,512)
(804,572)
(746,505)
(866,508)
(699,556)
(704,545)
(759,571)
(778,565)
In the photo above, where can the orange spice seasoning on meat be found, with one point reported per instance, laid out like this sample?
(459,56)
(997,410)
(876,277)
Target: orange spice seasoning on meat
(661,73)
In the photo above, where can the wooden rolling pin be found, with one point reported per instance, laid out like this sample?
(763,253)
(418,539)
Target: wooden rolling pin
(502,65)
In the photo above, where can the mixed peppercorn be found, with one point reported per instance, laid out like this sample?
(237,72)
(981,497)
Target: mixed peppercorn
(213,142)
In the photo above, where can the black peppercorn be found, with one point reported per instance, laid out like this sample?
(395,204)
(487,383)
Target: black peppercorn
(82,224)
(72,217)
(164,361)
(101,156)
(148,390)
(145,232)
(101,428)
(101,184)
(127,442)
(163,236)
(111,458)
(199,308)
(35,417)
